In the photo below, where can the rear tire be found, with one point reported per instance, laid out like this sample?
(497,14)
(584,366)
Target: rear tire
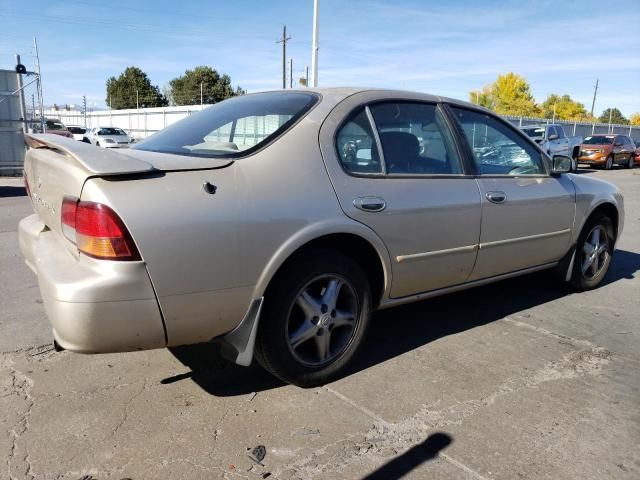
(594,251)
(97,144)
(630,162)
(315,318)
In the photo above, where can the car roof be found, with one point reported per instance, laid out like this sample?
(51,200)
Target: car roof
(338,94)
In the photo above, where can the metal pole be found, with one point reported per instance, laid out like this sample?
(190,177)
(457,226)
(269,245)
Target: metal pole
(39,89)
(593,104)
(23,108)
(306,75)
(610,130)
(201,95)
(314,47)
(291,73)
(284,41)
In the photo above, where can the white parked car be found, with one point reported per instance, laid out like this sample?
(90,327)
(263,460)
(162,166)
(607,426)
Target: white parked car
(77,131)
(108,137)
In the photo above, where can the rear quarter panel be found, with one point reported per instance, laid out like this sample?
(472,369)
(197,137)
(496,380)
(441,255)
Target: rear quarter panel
(209,255)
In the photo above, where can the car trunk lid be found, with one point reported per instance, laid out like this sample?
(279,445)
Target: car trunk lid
(56,167)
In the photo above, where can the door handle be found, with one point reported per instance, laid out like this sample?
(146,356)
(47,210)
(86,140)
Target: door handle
(370,204)
(496,197)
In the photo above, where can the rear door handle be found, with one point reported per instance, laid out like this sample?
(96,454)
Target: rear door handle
(370,204)
(496,197)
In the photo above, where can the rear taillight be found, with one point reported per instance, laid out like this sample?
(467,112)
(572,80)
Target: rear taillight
(97,230)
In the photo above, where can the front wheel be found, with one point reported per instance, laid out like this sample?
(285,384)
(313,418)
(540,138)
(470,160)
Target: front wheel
(594,251)
(315,318)
(97,144)
(609,163)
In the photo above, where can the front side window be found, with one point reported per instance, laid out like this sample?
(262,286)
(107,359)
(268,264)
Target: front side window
(560,131)
(415,139)
(497,148)
(356,145)
(232,127)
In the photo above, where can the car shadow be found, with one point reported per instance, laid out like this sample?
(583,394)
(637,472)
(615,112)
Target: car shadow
(6,192)
(399,330)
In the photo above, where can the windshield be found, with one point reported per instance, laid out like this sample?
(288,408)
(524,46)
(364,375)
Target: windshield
(598,140)
(232,127)
(111,131)
(55,125)
(76,129)
(534,132)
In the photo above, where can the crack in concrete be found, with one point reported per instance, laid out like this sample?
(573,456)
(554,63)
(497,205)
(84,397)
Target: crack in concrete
(21,386)
(125,415)
(386,439)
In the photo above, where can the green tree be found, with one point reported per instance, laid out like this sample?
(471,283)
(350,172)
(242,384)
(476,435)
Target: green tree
(510,94)
(131,89)
(565,108)
(482,97)
(616,117)
(186,89)
(634,119)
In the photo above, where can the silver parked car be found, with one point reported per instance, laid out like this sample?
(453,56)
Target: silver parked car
(107,137)
(276,223)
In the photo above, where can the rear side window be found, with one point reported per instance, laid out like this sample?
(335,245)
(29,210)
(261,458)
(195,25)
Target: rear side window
(357,147)
(415,139)
(497,148)
(234,127)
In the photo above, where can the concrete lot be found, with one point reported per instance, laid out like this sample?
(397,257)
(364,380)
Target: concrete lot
(521,379)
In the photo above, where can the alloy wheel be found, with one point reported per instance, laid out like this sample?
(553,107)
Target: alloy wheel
(595,252)
(322,320)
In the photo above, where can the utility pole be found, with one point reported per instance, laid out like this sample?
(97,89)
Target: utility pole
(610,115)
(291,73)
(306,76)
(284,41)
(201,95)
(23,107)
(137,100)
(595,92)
(39,89)
(314,46)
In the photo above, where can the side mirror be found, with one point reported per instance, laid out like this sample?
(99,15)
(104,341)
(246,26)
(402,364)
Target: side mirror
(553,136)
(561,164)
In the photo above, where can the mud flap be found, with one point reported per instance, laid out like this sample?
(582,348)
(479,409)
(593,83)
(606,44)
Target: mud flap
(237,346)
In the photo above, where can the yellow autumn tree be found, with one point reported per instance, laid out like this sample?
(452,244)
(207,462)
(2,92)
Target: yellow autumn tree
(510,94)
(563,108)
(634,119)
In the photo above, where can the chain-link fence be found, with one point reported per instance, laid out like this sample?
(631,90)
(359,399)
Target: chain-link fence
(582,129)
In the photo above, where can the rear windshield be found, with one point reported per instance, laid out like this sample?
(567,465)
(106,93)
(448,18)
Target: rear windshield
(598,140)
(534,131)
(233,127)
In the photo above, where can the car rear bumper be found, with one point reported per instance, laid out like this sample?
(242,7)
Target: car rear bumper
(94,306)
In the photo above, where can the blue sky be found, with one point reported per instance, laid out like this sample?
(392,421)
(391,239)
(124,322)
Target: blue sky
(447,48)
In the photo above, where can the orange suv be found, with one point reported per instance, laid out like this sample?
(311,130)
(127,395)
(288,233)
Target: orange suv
(605,150)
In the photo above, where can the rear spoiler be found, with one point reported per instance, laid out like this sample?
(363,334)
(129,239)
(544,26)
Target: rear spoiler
(97,161)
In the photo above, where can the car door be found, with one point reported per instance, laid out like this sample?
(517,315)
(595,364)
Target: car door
(527,214)
(396,168)
(562,143)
